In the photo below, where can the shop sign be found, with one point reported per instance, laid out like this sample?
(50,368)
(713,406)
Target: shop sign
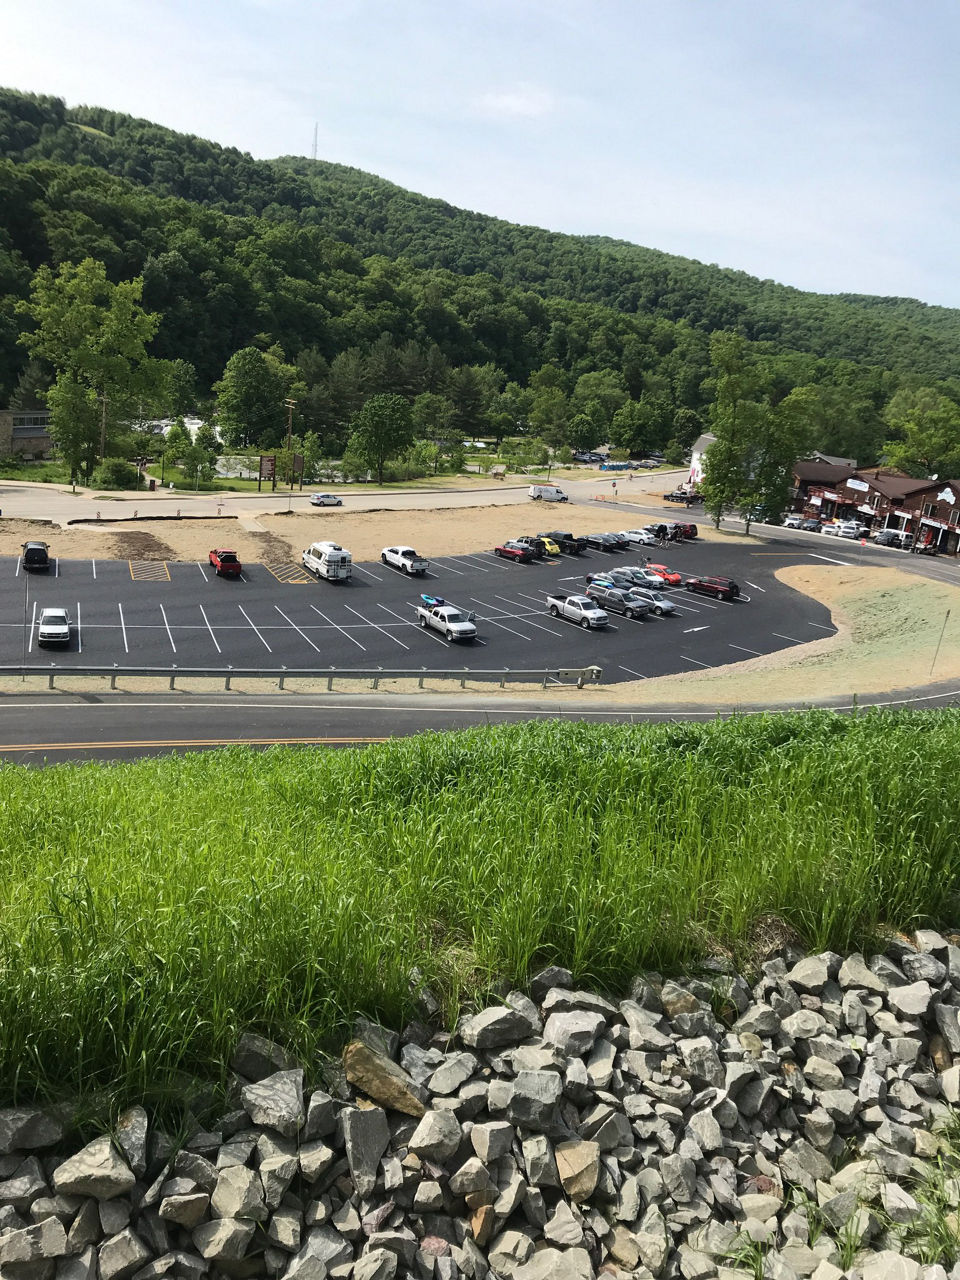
(858,485)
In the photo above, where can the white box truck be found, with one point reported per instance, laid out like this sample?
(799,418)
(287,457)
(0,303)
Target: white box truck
(546,493)
(328,560)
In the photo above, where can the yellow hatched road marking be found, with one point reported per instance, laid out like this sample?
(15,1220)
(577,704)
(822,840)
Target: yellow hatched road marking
(290,574)
(149,570)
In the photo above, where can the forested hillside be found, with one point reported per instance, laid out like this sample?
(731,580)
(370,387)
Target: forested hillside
(350,286)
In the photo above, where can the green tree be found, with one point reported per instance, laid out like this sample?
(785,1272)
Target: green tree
(603,386)
(583,433)
(468,396)
(927,433)
(734,419)
(432,415)
(177,442)
(312,455)
(206,438)
(250,396)
(549,415)
(382,429)
(93,334)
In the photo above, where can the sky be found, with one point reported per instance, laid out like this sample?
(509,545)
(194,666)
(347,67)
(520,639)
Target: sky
(812,142)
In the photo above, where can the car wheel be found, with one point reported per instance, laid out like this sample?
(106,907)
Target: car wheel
(554,611)
(423,623)
(449,635)
(585,623)
(658,612)
(537,497)
(497,551)
(628,613)
(690,587)
(383,559)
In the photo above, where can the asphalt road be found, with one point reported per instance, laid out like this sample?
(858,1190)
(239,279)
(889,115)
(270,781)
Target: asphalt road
(135,614)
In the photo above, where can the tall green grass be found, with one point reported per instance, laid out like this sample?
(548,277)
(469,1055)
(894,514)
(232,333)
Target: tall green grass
(150,912)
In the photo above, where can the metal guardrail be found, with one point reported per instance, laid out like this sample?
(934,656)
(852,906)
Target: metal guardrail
(560,675)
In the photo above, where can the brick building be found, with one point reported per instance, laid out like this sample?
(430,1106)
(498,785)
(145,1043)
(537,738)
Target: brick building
(24,432)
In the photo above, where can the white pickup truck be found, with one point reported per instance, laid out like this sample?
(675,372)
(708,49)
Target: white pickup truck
(328,560)
(406,560)
(446,618)
(578,609)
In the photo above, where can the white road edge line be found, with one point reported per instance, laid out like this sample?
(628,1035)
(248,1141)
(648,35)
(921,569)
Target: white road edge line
(123,627)
(250,620)
(210,629)
(167,625)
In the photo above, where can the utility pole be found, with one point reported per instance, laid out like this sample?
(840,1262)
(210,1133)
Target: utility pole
(103,427)
(290,405)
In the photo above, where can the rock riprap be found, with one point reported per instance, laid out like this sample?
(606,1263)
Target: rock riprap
(708,1128)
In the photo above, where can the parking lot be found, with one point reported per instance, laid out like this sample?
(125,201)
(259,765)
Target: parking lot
(155,613)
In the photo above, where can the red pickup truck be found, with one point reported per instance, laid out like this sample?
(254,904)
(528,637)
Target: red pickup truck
(226,563)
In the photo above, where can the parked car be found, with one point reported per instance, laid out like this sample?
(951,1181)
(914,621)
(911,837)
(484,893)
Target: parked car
(659,603)
(668,575)
(225,563)
(536,545)
(328,560)
(793,520)
(405,559)
(611,578)
(514,551)
(810,524)
(687,530)
(588,457)
(602,542)
(35,555)
(53,627)
(566,542)
(619,600)
(642,537)
(579,609)
(892,538)
(325,500)
(552,548)
(831,528)
(925,549)
(621,541)
(721,588)
(546,493)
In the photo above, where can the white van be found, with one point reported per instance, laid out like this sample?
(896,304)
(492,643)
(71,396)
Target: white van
(546,493)
(328,560)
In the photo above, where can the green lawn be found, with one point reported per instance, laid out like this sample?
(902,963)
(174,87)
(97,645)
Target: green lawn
(151,911)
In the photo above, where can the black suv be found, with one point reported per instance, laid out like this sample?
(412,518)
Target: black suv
(36,555)
(566,542)
(536,545)
(619,600)
(721,588)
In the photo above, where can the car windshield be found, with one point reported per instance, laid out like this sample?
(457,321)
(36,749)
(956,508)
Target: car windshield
(455,616)
(53,615)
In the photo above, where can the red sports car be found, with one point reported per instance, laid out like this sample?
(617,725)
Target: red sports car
(668,575)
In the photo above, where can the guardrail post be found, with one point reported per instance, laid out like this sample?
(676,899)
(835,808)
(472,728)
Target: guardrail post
(420,681)
(503,678)
(53,669)
(330,674)
(543,682)
(226,678)
(113,678)
(463,678)
(282,676)
(173,675)
(376,679)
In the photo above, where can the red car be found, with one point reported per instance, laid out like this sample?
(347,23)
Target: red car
(225,563)
(514,551)
(668,575)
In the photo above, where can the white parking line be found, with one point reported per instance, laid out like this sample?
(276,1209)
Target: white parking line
(821,626)
(780,636)
(696,660)
(123,626)
(449,567)
(743,649)
(210,629)
(296,628)
(56,566)
(79,634)
(203,571)
(382,630)
(16,572)
(475,562)
(250,620)
(93,566)
(814,556)
(33,623)
(407,623)
(375,576)
(755,587)
(493,622)
(529,621)
(339,628)
(167,625)
(631,671)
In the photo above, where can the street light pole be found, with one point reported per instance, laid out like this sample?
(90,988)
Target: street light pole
(290,405)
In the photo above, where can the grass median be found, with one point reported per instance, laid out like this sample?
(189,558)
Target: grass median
(152,911)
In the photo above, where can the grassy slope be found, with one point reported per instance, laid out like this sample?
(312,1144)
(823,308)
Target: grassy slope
(150,911)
